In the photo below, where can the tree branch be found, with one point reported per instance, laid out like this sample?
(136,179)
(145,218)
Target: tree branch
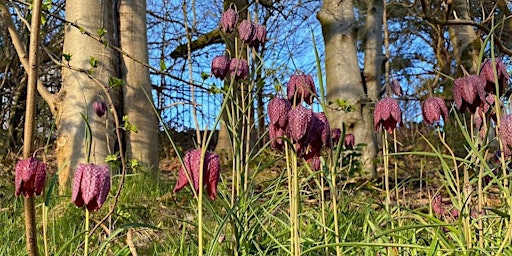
(210,38)
(459,22)
(23,56)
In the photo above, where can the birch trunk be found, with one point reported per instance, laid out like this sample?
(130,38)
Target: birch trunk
(78,92)
(143,144)
(343,79)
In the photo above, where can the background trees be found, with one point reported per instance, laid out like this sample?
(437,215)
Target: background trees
(424,45)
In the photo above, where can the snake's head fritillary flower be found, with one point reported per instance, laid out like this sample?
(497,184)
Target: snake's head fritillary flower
(228,20)
(468,92)
(505,134)
(99,107)
(396,88)
(275,134)
(437,205)
(301,87)
(335,135)
(29,177)
(91,185)
(300,120)
(260,34)
(314,162)
(239,68)
(220,66)
(387,114)
(350,140)
(322,128)
(487,75)
(278,109)
(433,109)
(211,172)
(246,31)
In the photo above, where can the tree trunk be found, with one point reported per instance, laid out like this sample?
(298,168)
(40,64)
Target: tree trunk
(343,79)
(78,92)
(374,61)
(466,44)
(140,145)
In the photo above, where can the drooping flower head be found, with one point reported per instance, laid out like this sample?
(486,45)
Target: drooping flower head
(29,177)
(387,114)
(321,128)
(275,134)
(487,75)
(220,66)
(301,87)
(260,34)
(468,92)
(211,172)
(335,135)
(350,140)
(505,134)
(314,162)
(99,107)
(278,109)
(396,88)
(239,68)
(91,185)
(228,20)
(433,109)
(246,31)
(300,120)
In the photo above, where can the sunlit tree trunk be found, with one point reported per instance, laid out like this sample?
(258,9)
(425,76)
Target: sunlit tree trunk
(466,44)
(374,60)
(143,144)
(343,79)
(78,92)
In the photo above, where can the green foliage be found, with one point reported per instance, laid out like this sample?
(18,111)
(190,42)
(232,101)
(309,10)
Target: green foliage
(115,82)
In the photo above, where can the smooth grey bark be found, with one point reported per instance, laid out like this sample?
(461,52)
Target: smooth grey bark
(143,144)
(78,92)
(374,60)
(343,79)
(466,44)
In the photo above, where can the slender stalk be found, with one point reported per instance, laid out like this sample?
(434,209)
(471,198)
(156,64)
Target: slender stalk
(334,197)
(86,248)
(28,135)
(385,150)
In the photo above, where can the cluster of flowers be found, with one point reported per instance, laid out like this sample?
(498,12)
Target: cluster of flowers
(309,131)
(476,93)
(91,183)
(249,33)
(211,172)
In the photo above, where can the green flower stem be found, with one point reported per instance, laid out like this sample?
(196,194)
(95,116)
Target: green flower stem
(86,248)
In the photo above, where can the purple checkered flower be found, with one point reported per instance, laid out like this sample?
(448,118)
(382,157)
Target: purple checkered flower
(301,87)
(99,107)
(505,134)
(433,109)
(246,31)
(335,135)
(387,114)
(468,92)
(350,140)
(278,109)
(396,88)
(239,68)
(91,185)
(228,21)
(220,66)
(260,34)
(29,177)
(211,172)
(487,75)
